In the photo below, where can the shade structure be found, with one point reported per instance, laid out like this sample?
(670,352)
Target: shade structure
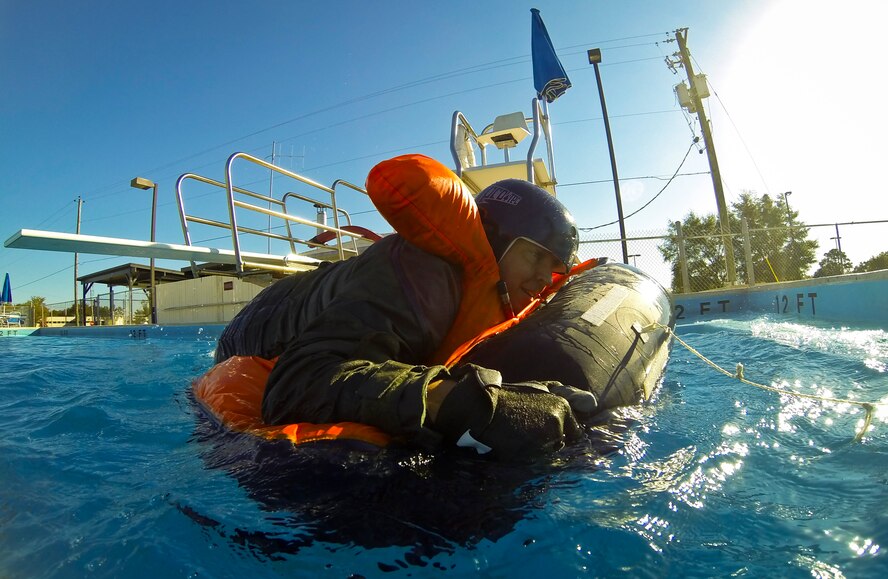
(549,78)
(6,295)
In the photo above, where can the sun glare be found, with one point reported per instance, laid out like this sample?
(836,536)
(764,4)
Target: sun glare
(807,91)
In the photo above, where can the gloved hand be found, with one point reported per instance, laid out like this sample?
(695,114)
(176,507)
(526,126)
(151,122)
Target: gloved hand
(582,402)
(505,421)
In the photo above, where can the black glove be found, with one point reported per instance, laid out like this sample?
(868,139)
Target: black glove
(505,421)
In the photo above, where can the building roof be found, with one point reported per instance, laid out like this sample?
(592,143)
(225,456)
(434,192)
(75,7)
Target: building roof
(133,275)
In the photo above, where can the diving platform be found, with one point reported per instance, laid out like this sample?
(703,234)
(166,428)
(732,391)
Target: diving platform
(94,244)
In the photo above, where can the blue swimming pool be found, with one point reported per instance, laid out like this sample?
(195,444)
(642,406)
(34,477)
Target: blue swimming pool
(107,469)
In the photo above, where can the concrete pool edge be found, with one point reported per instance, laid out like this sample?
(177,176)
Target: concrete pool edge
(859,298)
(142,332)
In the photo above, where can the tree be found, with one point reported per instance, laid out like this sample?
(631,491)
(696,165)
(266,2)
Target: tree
(778,243)
(37,304)
(834,262)
(143,314)
(874,263)
(703,251)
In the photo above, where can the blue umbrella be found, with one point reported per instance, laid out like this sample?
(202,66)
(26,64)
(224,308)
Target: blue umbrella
(549,78)
(6,296)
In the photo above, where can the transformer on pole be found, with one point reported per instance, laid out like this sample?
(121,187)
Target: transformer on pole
(691,96)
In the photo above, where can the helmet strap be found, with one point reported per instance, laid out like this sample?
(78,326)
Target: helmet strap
(506,301)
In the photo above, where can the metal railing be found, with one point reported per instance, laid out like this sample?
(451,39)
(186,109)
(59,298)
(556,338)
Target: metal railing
(243,266)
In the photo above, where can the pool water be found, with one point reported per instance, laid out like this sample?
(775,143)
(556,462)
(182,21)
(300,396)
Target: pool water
(108,469)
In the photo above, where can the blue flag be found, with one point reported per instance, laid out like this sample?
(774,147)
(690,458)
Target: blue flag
(549,78)
(6,296)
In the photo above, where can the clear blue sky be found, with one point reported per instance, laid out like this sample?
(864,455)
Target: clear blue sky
(98,92)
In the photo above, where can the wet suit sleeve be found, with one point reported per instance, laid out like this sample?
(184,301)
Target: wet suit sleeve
(358,359)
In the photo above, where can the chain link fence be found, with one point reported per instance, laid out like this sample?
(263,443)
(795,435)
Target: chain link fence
(681,262)
(99,309)
(687,262)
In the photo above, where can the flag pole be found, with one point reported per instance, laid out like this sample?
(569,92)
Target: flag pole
(549,79)
(547,129)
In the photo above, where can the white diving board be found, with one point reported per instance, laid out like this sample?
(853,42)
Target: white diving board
(79,243)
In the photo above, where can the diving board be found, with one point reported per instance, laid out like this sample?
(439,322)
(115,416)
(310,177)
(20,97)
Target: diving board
(79,243)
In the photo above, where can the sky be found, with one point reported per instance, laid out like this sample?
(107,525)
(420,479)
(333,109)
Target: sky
(100,91)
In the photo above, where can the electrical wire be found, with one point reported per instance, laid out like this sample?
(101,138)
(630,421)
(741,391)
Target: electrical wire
(674,175)
(484,67)
(736,129)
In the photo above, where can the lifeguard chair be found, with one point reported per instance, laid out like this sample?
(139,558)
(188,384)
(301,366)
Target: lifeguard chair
(504,133)
(11,319)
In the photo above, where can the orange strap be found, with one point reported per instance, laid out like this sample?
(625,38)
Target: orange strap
(558,281)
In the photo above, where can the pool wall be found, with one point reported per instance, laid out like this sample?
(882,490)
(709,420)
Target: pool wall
(858,298)
(143,332)
(855,298)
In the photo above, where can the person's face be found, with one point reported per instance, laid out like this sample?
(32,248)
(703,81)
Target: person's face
(527,269)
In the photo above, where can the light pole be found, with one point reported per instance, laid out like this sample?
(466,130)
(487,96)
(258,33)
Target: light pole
(142,183)
(594,59)
(633,256)
(838,239)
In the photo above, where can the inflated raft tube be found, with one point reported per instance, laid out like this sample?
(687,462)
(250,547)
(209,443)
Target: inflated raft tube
(590,336)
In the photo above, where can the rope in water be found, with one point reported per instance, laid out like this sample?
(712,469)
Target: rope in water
(869,407)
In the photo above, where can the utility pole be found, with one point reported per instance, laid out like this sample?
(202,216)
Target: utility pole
(697,107)
(76,308)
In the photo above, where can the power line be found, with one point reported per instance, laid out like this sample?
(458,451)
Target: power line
(600,42)
(64,269)
(737,130)
(511,61)
(625,115)
(640,178)
(674,175)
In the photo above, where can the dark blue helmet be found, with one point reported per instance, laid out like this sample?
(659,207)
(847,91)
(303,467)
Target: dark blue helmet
(514,208)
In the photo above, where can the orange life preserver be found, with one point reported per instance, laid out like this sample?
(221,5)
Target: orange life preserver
(429,206)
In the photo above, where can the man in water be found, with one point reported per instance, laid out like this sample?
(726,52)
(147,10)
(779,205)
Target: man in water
(353,338)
